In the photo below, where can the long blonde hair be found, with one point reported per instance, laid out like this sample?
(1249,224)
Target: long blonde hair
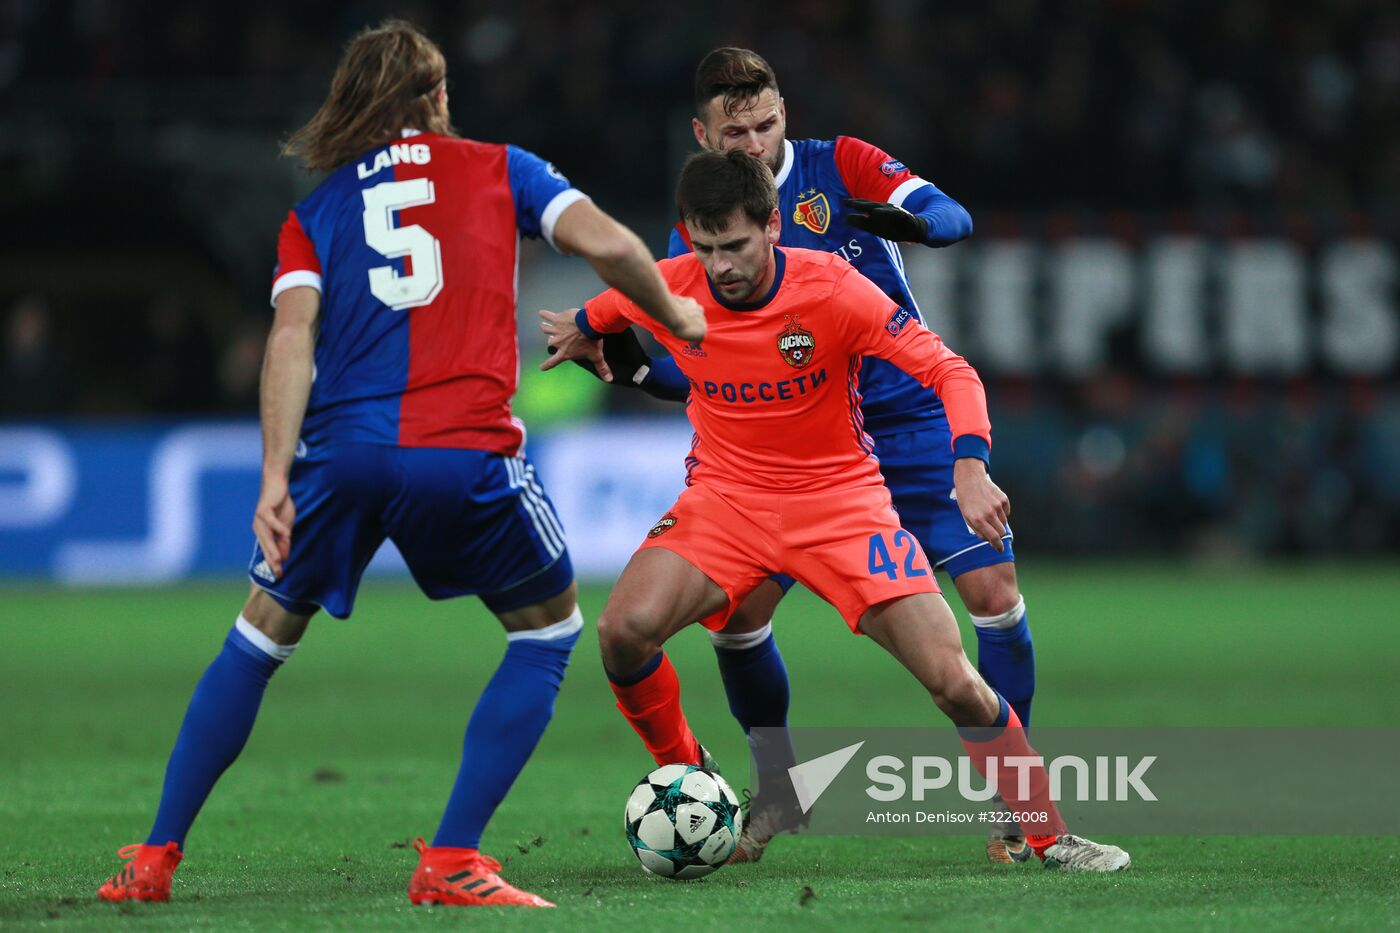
(387,80)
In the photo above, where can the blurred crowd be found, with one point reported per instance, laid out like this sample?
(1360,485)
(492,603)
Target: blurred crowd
(167,358)
(1009,105)
(1006,103)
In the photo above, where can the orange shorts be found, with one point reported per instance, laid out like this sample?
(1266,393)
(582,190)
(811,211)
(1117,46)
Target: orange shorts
(845,545)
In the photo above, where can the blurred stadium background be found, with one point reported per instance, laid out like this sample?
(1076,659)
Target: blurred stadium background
(1181,291)
(1182,295)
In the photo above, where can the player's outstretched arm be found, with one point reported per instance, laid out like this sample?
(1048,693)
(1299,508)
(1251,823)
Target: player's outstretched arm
(621,259)
(927,216)
(890,201)
(565,340)
(283,393)
(626,360)
(659,377)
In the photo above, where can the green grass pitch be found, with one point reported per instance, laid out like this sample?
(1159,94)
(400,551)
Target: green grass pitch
(359,737)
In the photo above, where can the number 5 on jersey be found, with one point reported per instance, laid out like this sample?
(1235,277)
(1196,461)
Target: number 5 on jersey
(424,253)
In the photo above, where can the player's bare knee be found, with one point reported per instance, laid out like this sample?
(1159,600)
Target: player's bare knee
(555,610)
(990,592)
(627,639)
(267,616)
(964,698)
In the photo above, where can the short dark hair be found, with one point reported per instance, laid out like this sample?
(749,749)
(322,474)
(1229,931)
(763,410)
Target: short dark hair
(737,75)
(715,184)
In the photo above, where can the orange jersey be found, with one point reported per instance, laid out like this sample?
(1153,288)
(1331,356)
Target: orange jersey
(774,397)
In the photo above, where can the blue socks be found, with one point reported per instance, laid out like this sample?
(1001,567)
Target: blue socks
(216,727)
(1006,658)
(756,684)
(509,719)
(755,677)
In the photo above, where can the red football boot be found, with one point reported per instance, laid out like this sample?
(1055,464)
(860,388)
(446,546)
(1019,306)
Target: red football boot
(465,878)
(146,877)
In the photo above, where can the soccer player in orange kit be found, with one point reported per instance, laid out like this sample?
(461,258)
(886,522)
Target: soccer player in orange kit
(782,478)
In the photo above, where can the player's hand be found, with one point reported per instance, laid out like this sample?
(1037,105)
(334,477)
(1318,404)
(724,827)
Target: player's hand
(567,342)
(885,220)
(688,319)
(272,522)
(985,508)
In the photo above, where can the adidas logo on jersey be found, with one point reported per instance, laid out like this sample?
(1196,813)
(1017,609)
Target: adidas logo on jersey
(263,572)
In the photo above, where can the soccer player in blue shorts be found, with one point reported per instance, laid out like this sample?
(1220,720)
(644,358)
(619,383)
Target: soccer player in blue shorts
(848,197)
(385,407)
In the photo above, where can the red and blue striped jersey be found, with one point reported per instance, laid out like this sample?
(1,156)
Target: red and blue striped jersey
(414,248)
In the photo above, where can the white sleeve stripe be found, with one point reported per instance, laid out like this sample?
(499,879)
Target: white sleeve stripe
(561,202)
(898,195)
(293,279)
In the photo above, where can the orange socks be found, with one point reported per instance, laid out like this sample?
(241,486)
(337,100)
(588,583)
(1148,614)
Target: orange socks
(651,701)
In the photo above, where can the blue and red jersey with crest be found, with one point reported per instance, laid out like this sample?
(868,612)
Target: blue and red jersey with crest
(815,176)
(414,249)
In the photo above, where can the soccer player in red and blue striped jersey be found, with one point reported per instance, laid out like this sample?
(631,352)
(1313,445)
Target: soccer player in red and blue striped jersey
(385,409)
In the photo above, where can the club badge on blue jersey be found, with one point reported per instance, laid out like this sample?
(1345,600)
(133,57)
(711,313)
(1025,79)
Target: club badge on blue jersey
(813,212)
(796,345)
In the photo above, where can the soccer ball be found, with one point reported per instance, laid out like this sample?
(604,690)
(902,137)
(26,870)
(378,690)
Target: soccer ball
(682,821)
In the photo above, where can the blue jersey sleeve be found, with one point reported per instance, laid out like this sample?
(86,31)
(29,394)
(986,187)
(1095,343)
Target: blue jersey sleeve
(541,192)
(948,221)
(664,380)
(678,246)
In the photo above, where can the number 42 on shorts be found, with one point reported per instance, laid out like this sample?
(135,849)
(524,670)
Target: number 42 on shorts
(881,562)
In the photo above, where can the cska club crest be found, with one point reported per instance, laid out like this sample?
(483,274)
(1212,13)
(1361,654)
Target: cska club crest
(813,212)
(796,345)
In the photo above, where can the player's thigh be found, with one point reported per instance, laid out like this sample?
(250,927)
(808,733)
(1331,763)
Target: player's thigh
(548,611)
(658,594)
(758,607)
(471,522)
(850,550)
(921,633)
(727,536)
(269,617)
(918,469)
(990,590)
(340,493)
(919,630)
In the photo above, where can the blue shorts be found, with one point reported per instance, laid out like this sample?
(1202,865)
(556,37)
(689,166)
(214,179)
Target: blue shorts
(467,522)
(918,469)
